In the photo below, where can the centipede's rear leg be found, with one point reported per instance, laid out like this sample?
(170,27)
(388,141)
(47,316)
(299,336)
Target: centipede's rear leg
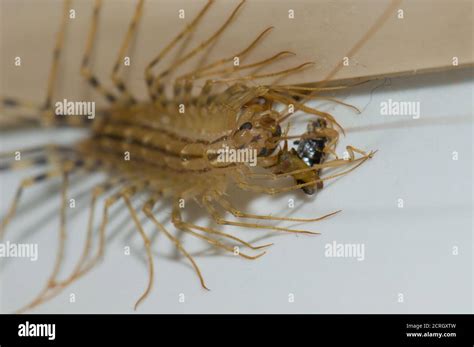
(65,171)
(45,112)
(86,263)
(66,167)
(82,266)
(86,72)
(55,286)
(118,81)
(50,154)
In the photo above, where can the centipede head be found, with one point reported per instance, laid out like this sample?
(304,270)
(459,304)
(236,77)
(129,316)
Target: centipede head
(258,128)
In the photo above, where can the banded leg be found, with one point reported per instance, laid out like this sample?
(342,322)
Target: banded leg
(48,154)
(188,78)
(157,81)
(198,73)
(82,266)
(235,69)
(28,182)
(149,76)
(118,82)
(45,110)
(51,283)
(55,286)
(85,70)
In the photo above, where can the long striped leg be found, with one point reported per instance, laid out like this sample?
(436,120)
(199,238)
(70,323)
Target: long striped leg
(43,155)
(45,111)
(55,287)
(199,48)
(199,72)
(85,69)
(118,82)
(188,78)
(235,69)
(149,76)
(51,283)
(148,210)
(82,267)
(270,74)
(188,82)
(28,182)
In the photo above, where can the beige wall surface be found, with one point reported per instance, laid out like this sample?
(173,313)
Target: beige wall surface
(427,38)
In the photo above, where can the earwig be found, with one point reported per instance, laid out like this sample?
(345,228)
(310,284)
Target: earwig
(174,154)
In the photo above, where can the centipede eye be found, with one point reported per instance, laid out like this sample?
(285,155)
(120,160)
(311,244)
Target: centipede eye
(246,126)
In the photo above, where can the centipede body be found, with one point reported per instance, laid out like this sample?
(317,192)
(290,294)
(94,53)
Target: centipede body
(167,144)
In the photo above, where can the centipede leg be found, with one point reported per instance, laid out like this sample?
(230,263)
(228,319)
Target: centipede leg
(239,214)
(82,266)
(126,196)
(200,47)
(219,220)
(85,70)
(28,182)
(198,73)
(51,283)
(187,227)
(118,82)
(147,209)
(212,231)
(45,155)
(149,76)
(261,63)
(44,112)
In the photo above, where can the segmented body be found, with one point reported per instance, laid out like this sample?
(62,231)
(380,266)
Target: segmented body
(172,149)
